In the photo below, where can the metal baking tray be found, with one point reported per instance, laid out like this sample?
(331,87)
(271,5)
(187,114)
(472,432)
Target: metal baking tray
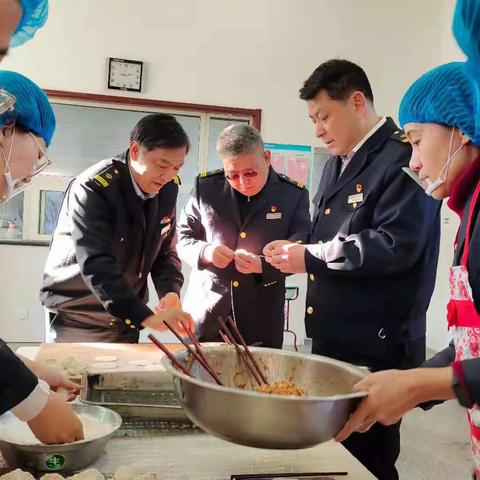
(134,395)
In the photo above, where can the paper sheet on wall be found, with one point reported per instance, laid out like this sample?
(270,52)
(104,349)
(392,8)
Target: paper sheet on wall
(292,160)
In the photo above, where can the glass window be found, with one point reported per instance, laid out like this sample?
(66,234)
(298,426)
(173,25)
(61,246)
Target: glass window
(86,135)
(189,170)
(50,204)
(11,218)
(215,128)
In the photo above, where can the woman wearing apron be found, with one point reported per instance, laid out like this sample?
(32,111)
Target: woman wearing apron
(441,116)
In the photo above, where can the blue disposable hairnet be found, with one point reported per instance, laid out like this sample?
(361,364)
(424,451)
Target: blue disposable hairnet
(32,110)
(450,94)
(35,13)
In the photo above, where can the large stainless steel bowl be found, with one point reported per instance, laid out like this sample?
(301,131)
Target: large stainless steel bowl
(262,420)
(63,457)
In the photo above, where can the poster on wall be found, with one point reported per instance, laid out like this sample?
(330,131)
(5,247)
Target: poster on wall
(291,160)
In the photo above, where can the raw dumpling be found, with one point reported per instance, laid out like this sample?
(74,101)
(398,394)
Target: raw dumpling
(89,474)
(146,476)
(127,472)
(52,476)
(73,367)
(17,475)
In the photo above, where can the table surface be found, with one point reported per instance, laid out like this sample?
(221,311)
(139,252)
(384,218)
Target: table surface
(179,452)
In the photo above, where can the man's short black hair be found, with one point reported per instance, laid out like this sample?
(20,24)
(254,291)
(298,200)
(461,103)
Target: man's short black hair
(159,130)
(339,78)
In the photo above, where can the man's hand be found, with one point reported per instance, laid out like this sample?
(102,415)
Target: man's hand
(288,257)
(176,318)
(168,301)
(246,262)
(219,255)
(56,423)
(392,393)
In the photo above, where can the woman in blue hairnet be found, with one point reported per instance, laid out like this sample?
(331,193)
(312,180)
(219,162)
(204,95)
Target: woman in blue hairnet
(19,20)
(441,116)
(27,124)
(26,130)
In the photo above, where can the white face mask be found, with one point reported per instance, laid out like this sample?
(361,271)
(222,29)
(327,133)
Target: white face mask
(7,172)
(432,186)
(440,180)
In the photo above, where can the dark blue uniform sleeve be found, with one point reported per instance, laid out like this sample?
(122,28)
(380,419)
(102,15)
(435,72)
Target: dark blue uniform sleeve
(441,359)
(471,369)
(402,222)
(93,238)
(166,272)
(17,382)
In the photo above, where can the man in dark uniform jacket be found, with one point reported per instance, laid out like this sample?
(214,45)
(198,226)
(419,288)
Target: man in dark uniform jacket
(230,216)
(372,254)
(117,226)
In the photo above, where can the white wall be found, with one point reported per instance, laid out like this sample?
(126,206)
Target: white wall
(249,53)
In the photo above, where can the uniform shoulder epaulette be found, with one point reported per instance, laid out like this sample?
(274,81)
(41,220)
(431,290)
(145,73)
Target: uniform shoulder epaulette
(210,173)
(286,178)
(176,180)
(106,177)
(400,136)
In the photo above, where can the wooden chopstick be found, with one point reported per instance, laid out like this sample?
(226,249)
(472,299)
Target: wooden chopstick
(197,357)
(193,337)
(247,350)
(170,355)
(240,352)
(243,356)
(224,338)
(196,343)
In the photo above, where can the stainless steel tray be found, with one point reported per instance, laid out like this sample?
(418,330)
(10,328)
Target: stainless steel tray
(134,395)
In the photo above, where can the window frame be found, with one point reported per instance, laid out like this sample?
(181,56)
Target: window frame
(32,195)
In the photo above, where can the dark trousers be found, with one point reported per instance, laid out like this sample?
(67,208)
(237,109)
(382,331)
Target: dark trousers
(378,448)
(69,330)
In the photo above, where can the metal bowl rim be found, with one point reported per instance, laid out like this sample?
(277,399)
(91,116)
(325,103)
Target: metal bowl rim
(117,424)
(249,393)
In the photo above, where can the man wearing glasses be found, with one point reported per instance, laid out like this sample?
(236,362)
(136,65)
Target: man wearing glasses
(231,215)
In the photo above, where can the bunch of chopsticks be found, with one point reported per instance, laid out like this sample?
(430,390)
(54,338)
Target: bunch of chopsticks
(230,335)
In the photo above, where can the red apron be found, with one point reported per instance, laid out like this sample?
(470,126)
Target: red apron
(464,321)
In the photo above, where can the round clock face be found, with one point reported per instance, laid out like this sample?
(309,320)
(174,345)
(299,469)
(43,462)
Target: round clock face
(125,75)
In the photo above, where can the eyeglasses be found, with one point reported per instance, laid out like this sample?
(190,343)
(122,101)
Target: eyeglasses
(40,165)
(7,101)
(43,162)
(234,177)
